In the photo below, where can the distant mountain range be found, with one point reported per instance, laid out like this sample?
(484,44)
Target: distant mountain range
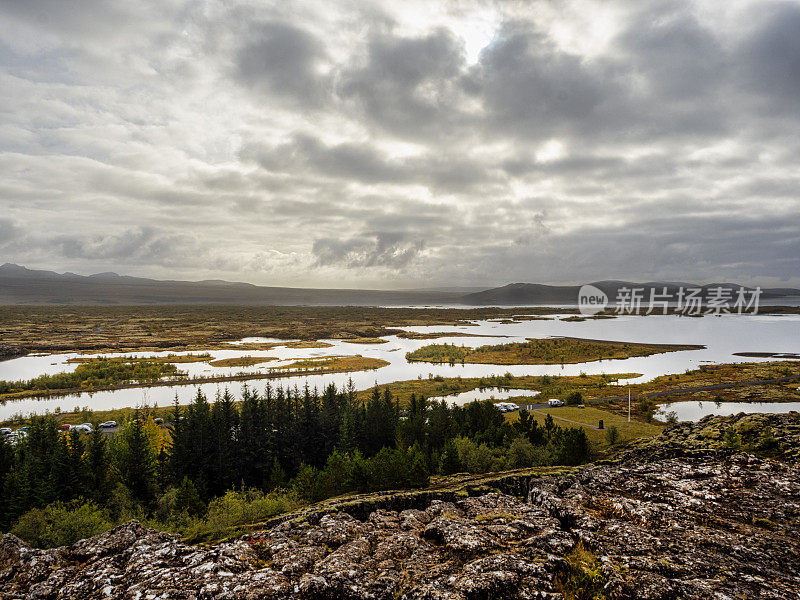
(19,285)
(535,293)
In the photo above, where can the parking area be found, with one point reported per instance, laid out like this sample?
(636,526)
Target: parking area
(108,428)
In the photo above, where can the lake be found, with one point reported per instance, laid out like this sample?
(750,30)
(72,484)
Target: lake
(491,393)
(694,411)
(722,336)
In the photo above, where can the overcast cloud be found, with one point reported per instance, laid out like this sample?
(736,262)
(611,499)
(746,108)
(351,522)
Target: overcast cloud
(402,144)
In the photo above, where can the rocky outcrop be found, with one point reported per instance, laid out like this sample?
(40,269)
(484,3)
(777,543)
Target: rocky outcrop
(702,524)
(774,435)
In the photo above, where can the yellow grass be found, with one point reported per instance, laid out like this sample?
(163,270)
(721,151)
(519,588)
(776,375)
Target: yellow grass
(241,361)
(170,358)
(590,417)
(541,352)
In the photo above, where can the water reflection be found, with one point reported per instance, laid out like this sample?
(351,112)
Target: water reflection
(491,393)
(694,411)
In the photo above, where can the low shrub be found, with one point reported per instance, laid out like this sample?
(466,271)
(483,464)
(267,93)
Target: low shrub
(61,524)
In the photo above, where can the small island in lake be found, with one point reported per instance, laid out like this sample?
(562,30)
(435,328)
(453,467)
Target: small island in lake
(548,351)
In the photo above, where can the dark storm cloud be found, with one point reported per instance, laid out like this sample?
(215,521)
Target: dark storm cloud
(530,88)
(684,74)
(771,57)
(685,248)
(282,60)
(406,84)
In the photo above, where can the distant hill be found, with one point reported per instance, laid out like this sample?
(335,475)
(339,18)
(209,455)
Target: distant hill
(20,285)
(524,293)
(536,293)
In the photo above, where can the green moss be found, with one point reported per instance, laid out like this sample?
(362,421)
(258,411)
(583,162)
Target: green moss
(584,579)
(765,524)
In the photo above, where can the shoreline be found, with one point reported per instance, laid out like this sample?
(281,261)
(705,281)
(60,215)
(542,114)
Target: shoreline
(193,381)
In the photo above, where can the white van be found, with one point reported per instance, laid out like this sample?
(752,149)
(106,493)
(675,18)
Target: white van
(555,402)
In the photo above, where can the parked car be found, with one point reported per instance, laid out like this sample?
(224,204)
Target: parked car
(6,431)
(65,427)
(506,407)
(158,420)
(108,425)
(84,428)
(555,402)
(16,437)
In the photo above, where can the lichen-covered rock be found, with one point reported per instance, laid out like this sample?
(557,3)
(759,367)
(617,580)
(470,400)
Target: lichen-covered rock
(708,435)
(700,524)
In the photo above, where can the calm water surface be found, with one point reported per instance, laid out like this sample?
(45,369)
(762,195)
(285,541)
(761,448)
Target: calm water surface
(694,411)
(722,335)
(491,393)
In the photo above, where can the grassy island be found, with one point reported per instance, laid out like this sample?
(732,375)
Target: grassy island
(549,351)
(93,374)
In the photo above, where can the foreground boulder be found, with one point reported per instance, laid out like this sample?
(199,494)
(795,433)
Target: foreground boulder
(711,524)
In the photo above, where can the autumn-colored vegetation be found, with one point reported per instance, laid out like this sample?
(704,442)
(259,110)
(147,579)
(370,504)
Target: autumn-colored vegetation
(95,374)
(540,352)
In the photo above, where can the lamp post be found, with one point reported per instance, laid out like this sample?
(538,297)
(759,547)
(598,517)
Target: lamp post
(629,403)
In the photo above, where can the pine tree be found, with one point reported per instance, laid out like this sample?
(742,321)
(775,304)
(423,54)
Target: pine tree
(418,472)
(449,462)
(40,450)
(374,425)
(138,464)
(222,461)
(62,481)
(98,465)
(549,426)
(255,439)
(439,425)
(16,496)
(187,499)
(277,476)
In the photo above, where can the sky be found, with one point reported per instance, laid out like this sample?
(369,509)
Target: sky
(402,144)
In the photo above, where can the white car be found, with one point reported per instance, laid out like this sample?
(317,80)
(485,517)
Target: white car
(555,402)
(6,430)
(16,437)
(84,428)
(108,425)
(506,407)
